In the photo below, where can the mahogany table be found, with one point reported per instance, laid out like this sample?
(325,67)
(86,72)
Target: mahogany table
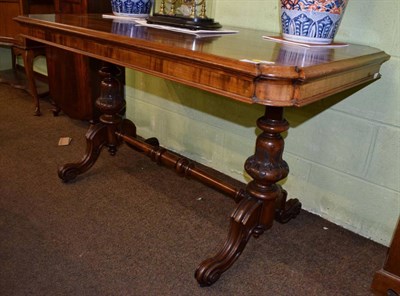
(289,76)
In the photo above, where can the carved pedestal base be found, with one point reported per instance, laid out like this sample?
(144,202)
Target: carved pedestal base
(255,213)
(262,201)
(103,133)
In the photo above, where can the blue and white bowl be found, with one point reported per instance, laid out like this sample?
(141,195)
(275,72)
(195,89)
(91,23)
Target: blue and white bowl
(311,21)
(133,8)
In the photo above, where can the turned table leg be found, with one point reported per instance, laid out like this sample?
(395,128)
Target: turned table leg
(28,56)
(264,201)
(110,103)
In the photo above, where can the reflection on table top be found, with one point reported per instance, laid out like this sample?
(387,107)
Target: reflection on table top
(218,58)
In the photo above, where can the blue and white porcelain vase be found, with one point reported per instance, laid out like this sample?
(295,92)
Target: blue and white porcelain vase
(133,8)
(311,21)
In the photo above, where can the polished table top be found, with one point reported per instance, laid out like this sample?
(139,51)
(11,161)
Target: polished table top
(291,75)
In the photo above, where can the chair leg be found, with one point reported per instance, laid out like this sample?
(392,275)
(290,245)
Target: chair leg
(13,59)
(28,56)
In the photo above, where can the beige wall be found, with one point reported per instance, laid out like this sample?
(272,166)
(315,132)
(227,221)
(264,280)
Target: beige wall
(344,155)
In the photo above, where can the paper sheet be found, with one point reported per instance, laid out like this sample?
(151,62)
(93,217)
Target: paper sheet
(308,45)
(199,33)
(125,18)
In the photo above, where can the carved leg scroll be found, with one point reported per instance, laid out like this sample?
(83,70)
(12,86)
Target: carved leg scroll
(255,213)
(243,221)
(96,138)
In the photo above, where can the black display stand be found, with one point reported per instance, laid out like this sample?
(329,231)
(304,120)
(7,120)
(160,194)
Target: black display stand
(192,23)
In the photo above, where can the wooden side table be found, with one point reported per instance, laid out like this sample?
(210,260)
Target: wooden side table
(387,280)
(10,37)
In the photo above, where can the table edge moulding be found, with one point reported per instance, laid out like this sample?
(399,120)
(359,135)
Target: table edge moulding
(216,66)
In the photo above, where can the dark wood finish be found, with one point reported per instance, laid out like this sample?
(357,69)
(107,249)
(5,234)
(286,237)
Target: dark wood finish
(255,213)
(74,86)
(257,204)
(9,9)
(10,36)
(213,65)
(9,30)
(387,280)
(73,78)
(28,55)
(184,167)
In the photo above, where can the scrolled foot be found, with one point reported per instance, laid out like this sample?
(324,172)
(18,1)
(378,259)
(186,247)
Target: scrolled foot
(207,275)
(290,211)
(243,222)
(68,172)
(153,142)
(96,138)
